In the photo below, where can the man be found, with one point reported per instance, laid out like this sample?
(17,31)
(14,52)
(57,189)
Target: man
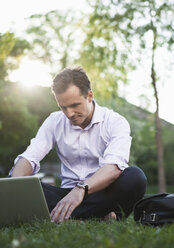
(93,144)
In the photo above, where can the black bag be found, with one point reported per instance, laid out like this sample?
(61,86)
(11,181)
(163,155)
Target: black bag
(155,210)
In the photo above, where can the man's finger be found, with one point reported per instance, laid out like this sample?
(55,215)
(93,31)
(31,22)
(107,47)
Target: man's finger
(63,212)
(53,211)
(60,212)
(69,212)
(56,211)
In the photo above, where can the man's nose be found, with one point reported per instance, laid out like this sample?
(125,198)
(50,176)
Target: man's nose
(69,112)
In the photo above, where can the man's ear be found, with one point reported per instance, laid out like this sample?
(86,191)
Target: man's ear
(90,96)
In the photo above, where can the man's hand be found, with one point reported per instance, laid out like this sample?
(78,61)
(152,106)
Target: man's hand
(65,207)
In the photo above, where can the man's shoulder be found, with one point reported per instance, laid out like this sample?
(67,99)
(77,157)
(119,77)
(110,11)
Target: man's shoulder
(56,114)
(111,114)
(55,118)
(113,118)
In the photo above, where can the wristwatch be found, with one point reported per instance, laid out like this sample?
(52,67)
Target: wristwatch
(84,186)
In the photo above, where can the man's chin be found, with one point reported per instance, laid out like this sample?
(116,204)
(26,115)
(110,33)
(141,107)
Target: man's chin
(75,123)
(78,123)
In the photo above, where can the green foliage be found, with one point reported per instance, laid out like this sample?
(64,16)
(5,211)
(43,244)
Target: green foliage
(104,52)
(21,114)
(7,43)
(91,233)
(17,125)
(118,31)
(11,49)
(40,102)
(54,36)
(168,155)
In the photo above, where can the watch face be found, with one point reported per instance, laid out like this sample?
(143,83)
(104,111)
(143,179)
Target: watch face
(84,186)
(81,185)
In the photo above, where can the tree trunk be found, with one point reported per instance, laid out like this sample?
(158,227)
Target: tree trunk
(159,144)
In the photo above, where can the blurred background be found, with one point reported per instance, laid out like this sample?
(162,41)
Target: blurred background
(126,48)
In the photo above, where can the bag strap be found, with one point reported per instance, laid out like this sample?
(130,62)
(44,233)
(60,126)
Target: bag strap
(149,198)
(156,218)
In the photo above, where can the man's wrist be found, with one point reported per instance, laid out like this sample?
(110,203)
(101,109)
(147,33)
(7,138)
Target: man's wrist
(84,186)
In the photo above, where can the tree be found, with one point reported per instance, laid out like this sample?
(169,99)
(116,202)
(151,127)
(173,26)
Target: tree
(55,38)
(17,124)
(135,24)
(11,49)
(104,52)
(160,26)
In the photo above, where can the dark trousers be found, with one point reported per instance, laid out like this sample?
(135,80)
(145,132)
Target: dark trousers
(120,196)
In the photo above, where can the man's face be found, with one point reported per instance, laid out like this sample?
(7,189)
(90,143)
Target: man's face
(77,107)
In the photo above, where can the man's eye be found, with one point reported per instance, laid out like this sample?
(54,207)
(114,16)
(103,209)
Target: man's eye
(75,105)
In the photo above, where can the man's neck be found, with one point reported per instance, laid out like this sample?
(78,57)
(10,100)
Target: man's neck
(88,121)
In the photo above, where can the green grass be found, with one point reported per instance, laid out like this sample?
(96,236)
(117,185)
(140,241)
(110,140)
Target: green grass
(93,234)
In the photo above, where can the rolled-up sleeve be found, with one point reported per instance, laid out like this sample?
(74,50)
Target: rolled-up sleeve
(119,142)
(39,146)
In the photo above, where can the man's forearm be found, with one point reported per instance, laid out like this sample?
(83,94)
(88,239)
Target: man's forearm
(103,178)
(22,168)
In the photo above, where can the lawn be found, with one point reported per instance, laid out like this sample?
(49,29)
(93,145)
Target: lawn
(93,234)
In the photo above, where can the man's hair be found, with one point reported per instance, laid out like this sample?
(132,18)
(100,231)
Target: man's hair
(68,77)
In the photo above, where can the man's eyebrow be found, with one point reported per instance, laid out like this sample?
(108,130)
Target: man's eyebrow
(72,105)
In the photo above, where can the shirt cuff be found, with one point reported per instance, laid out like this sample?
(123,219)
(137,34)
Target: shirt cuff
(35,166)
(112,159)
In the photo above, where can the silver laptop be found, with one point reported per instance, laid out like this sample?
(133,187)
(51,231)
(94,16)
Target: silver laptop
(22,200)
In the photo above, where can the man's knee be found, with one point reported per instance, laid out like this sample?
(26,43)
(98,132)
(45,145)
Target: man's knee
(136,176)
(133,180)
(130,187)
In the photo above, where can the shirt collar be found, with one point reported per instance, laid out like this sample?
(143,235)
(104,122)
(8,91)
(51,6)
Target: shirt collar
(98,116)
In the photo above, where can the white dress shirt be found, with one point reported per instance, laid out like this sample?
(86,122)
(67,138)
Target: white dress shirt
(106,140)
